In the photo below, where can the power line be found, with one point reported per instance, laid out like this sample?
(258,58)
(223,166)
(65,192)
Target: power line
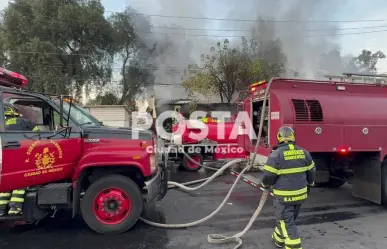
(249,30)
(113,81)
(233,19)
(225,30)
(68,23)
(166,69)
(253,20)
(235,36)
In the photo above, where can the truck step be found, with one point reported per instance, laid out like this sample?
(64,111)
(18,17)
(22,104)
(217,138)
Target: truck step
(11,217)
(54,194)
(249,179)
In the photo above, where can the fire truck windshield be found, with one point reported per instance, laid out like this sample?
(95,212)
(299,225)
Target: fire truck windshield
(79,115)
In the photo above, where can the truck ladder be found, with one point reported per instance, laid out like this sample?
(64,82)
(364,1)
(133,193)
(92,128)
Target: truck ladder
(362,77)
(249,179)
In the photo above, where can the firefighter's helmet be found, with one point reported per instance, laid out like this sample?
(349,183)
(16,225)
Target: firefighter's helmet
(286,134)
(10,110)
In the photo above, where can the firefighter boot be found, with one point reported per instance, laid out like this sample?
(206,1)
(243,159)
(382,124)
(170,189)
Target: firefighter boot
(278,238)
(4,201)
(16,202)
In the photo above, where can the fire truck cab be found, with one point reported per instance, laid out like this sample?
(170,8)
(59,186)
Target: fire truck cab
(342,123)
(73,162)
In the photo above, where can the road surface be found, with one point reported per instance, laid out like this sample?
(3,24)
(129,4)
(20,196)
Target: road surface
(330,219)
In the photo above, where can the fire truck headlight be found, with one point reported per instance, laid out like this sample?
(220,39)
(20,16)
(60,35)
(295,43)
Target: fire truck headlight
(152,162)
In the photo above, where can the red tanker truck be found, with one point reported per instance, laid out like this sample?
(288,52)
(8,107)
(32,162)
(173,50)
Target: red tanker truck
(210,146)
(342,122)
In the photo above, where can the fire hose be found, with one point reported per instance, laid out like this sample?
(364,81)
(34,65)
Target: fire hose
(219,238)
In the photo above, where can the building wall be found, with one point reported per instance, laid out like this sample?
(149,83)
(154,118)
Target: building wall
(111,115)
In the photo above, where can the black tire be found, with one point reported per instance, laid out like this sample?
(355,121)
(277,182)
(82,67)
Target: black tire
(333,183)
(129,187)
(188,165)
(384,183)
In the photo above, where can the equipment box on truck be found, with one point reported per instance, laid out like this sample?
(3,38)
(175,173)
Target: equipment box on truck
(71,161)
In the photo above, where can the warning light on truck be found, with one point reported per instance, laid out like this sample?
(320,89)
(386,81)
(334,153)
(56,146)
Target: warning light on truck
(343,151)
(12,79)
(253,86)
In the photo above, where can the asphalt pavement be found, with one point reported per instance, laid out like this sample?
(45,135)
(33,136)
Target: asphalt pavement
(330,219)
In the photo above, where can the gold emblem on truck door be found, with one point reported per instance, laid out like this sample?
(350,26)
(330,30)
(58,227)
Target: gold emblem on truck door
(44,159)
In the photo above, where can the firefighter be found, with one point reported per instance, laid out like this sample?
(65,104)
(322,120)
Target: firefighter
(209,119)
(290,172)
(14,200)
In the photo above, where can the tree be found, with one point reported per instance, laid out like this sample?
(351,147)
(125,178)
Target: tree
(225,71)
(222,72)
(59,45)
(133,53)
(366,61)
(107,98)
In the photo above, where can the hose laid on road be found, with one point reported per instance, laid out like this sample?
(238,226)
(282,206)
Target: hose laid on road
(218,238)
(210,179)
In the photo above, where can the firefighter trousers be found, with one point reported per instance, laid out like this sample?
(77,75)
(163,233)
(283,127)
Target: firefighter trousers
(285,232)
(12,202)
(4,202)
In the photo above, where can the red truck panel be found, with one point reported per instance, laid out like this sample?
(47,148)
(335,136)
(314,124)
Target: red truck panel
(340,122)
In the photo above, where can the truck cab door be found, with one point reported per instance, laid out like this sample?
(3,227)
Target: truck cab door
(37,157)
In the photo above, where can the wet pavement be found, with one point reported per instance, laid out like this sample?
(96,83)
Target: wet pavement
(331,218)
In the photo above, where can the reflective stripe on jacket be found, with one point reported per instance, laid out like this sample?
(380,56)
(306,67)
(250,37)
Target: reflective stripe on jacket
(20,124)
(209,120)
(289,169)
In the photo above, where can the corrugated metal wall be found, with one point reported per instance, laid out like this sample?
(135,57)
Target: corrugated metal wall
(111,116)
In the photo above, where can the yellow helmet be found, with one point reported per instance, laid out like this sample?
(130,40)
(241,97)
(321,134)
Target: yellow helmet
(10,110)
(286,134)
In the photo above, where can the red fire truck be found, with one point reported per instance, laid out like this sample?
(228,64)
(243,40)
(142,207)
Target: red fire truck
(213,147)
(343,123)
(73,162)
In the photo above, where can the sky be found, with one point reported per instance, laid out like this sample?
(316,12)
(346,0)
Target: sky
(345,10)
(341,9)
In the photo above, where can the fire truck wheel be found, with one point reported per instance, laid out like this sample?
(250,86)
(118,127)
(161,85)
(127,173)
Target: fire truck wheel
(332,183)
(191,166)
(112,204)
(335,183)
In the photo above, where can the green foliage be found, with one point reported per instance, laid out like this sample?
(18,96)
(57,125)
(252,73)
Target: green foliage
(132,52)
(366,61)
(225,70)
(192,106)
(59,45)
(105,99)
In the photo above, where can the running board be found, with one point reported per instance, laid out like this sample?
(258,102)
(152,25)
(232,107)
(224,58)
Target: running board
(249,179)
(11,217)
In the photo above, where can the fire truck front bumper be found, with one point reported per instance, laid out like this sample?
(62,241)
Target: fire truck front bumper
(157,186)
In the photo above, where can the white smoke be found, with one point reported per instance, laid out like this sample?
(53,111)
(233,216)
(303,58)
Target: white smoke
(302,42)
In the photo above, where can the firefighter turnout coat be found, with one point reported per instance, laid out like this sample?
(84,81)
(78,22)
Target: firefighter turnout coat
(290,170)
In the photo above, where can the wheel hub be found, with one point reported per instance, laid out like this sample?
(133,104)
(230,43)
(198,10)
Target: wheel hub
(112,206)
(191,164)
